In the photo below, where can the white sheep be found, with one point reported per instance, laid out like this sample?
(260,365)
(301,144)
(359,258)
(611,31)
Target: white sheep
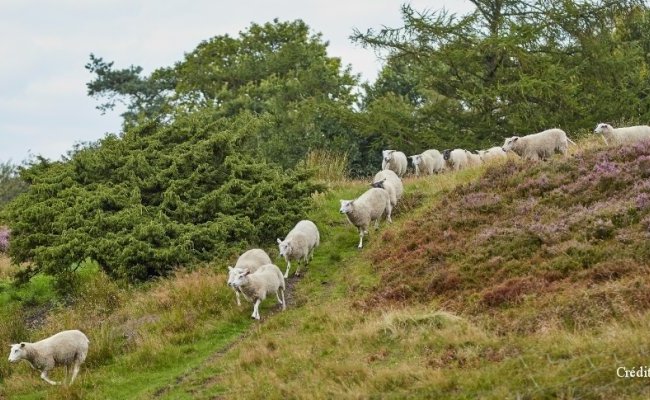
(64,348)
(250,260)
(473,159)
(368,207)
(391,183)
(395,161)
(257,285)
(299,244)
(456,159)
(628,134)
(422,162)
(492,153)
(438,160)
(539,146)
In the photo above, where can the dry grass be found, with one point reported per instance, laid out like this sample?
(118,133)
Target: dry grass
(7,270)
(328,167)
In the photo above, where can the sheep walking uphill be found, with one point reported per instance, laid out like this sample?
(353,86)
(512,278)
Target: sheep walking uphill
(473,159)
(395,161)
(456,159)
(67,348)
(625,135)
(423,162)
(438,160)
(250,260)
(368,207)
(539,146)
(390,182)
(268,279)
(299,244)
(493,153)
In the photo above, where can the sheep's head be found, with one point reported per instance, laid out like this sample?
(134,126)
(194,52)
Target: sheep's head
(445,154)
(284,246)
(510,143)
(602,128)
(347,206)
(387,154)
(417,159)
(17,352)
(241,277)
(232,274)
(378,185)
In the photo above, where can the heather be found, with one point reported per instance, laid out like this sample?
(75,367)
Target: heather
(526,238)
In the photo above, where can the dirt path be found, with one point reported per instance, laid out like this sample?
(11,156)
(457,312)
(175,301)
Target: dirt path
(214,357)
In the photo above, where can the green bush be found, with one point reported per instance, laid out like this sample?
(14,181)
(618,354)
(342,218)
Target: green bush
(162,195)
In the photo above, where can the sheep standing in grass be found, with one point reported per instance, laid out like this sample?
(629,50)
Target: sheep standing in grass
(389,181)
(438,160)
(250,260)
(493,153)
(257,285)
(299,244)
(422,162)
(395,161)
(368,207)
(539,146)
(455,159)
(473,159)
(64,348)
(629,134)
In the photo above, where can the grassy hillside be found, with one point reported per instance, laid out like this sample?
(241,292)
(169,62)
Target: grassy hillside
(507,281)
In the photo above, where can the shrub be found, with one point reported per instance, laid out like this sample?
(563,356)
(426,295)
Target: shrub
(160,197)
(4,239)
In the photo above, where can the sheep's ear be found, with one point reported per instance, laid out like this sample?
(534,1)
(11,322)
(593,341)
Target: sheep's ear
(246,272)
(278,240)
(229,268)
(22,345)
(514,139)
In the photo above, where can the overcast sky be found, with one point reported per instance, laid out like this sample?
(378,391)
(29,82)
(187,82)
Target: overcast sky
(44,108)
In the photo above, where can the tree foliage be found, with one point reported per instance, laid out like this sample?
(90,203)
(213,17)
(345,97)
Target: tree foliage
(513,67)
(279,70)
(159,197)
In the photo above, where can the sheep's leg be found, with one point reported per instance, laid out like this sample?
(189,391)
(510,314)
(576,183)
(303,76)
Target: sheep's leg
(377,222)
(300,261)
(389,211)
(284,304)
(361,237)
(46,379)
(237,296)
(75,371)
(286,273)
(277,294)
(256,311)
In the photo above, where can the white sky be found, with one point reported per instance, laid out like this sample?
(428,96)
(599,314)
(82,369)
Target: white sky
(44,108)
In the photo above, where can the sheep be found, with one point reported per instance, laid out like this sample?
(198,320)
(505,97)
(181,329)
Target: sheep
(64,348)
(395,161)
(251,260)
(390,182)
(257,285)
(299,244)
(438,160)
(473,159)
(422,162)
(539,145)
(492,153)
(368,207)
(628,134)
(456,159)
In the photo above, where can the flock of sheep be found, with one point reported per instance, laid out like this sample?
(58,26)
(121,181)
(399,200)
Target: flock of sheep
(254,275)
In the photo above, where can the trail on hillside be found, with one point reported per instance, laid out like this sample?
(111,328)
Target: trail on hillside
(218,354)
